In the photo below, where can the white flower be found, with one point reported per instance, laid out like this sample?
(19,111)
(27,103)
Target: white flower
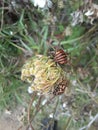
(42,3)
(11,33)
(89,13)
(51,115)
(44,101)
(30,91)
(74,82)
(64,105)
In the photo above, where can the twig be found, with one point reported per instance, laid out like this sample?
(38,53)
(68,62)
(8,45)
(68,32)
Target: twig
(39,108)
(29,108)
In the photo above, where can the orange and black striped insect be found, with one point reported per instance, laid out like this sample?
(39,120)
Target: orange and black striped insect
(60,88)
(61,57)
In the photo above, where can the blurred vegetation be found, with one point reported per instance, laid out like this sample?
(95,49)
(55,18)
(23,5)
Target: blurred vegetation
(25,31)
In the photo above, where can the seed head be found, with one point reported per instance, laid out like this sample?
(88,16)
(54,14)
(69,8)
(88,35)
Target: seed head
(42,73)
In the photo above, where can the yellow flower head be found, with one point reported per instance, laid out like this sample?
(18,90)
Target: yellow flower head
(42,73)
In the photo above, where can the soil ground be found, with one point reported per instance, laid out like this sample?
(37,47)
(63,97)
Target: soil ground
(11,120)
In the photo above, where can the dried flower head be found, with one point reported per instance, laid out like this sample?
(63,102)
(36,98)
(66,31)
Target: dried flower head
(42,73)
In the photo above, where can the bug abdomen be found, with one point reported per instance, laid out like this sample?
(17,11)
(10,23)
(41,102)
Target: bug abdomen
(60,88)
(61,57)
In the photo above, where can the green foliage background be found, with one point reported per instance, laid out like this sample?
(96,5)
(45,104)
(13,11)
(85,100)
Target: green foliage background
(25,31)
